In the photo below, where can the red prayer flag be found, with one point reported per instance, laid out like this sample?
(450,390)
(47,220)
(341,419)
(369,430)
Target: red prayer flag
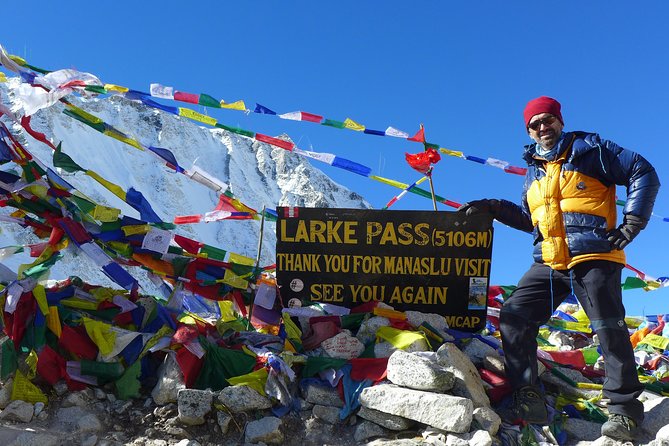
(190,366)
(516,170)
(275,141)
(185,219)
(419,136)
(422,162)
(187,97)
(50,365)
(189,245)
(77,343)
(311,117)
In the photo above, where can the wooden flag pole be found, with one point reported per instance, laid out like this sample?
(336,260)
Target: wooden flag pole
(429,172)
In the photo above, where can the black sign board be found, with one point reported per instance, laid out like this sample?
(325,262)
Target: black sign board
(433,262)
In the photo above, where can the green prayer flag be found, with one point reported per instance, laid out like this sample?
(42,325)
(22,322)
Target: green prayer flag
(333,123)
(236,130)
(352,321)
(316,364)
(9,359)
(96,89)
(208,101)
(38,270)
(99,126)
(127,386)
(84,205)
(105,371)
(222,363)
(65,162)
(213,252)
(633,283)
(431,146)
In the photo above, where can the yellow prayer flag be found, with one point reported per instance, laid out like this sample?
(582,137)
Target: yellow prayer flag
(117,88)
(389,182)
(655,341)
(40,296)
(237,105)
(240,259)
(195,116)
(113,188)
(19,60)
(400,338)
(31,361)
(53,321)
(80,304)
(105,214)
(101,334)
(135,229)
(3,78)
(227,311)
(87,116)
(390,314)
(292,330)
(38,190)
(452,152)
(123,138)
(26,391)
(255,380)
(234,280)
(351,124)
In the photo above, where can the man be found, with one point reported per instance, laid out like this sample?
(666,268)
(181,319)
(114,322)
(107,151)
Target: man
(569,205)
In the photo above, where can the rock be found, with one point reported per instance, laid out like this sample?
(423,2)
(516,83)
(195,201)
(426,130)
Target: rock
(193,405)
(494,363)
(323,395)
(329,414)
(480,438)
(170,381)
(223,420)
(389,421)
(367,331)
(477,351)
(582,430)
(436,321)
(487,419)
(663,434)
(187,442)
(77,420)
(90,441)
(243,398)
(100,394)
(366,430)
(656,415)
(468,382)
(60,388)
(39,407)
(18,411)
(34,439)
(6,393)
(419,371)
(266,430)
(75,399)
(343,345)
(445,412)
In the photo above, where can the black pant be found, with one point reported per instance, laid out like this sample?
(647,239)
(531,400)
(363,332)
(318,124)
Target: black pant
(596,285)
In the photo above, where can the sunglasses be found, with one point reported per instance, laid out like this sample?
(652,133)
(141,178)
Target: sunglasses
(548,120)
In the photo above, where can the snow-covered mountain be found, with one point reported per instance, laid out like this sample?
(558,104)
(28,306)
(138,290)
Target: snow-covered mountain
(257,174)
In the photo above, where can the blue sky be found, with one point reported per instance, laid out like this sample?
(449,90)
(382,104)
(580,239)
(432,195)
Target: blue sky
(463,69)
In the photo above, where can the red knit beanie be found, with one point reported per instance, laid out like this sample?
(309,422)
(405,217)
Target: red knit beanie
(542,104)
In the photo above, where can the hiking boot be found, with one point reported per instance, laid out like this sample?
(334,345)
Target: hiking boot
(528,407)
(620,427)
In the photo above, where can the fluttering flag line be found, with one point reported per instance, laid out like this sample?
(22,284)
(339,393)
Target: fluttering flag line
(202,177)
(160,91)
(108,239)
(398,197)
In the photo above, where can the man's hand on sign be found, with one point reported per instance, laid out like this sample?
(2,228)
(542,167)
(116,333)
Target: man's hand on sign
(484,206)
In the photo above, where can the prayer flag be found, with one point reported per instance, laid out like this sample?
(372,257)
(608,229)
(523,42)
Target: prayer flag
(287,145)
(186,97)
(419,136)
(264,110)
(161,91)
(391,131)
(351,124)
(237,105)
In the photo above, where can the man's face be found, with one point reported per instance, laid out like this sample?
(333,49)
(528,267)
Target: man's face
(545,129)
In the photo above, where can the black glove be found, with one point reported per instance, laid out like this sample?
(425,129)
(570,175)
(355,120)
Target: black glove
(484,206)
(625,233)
